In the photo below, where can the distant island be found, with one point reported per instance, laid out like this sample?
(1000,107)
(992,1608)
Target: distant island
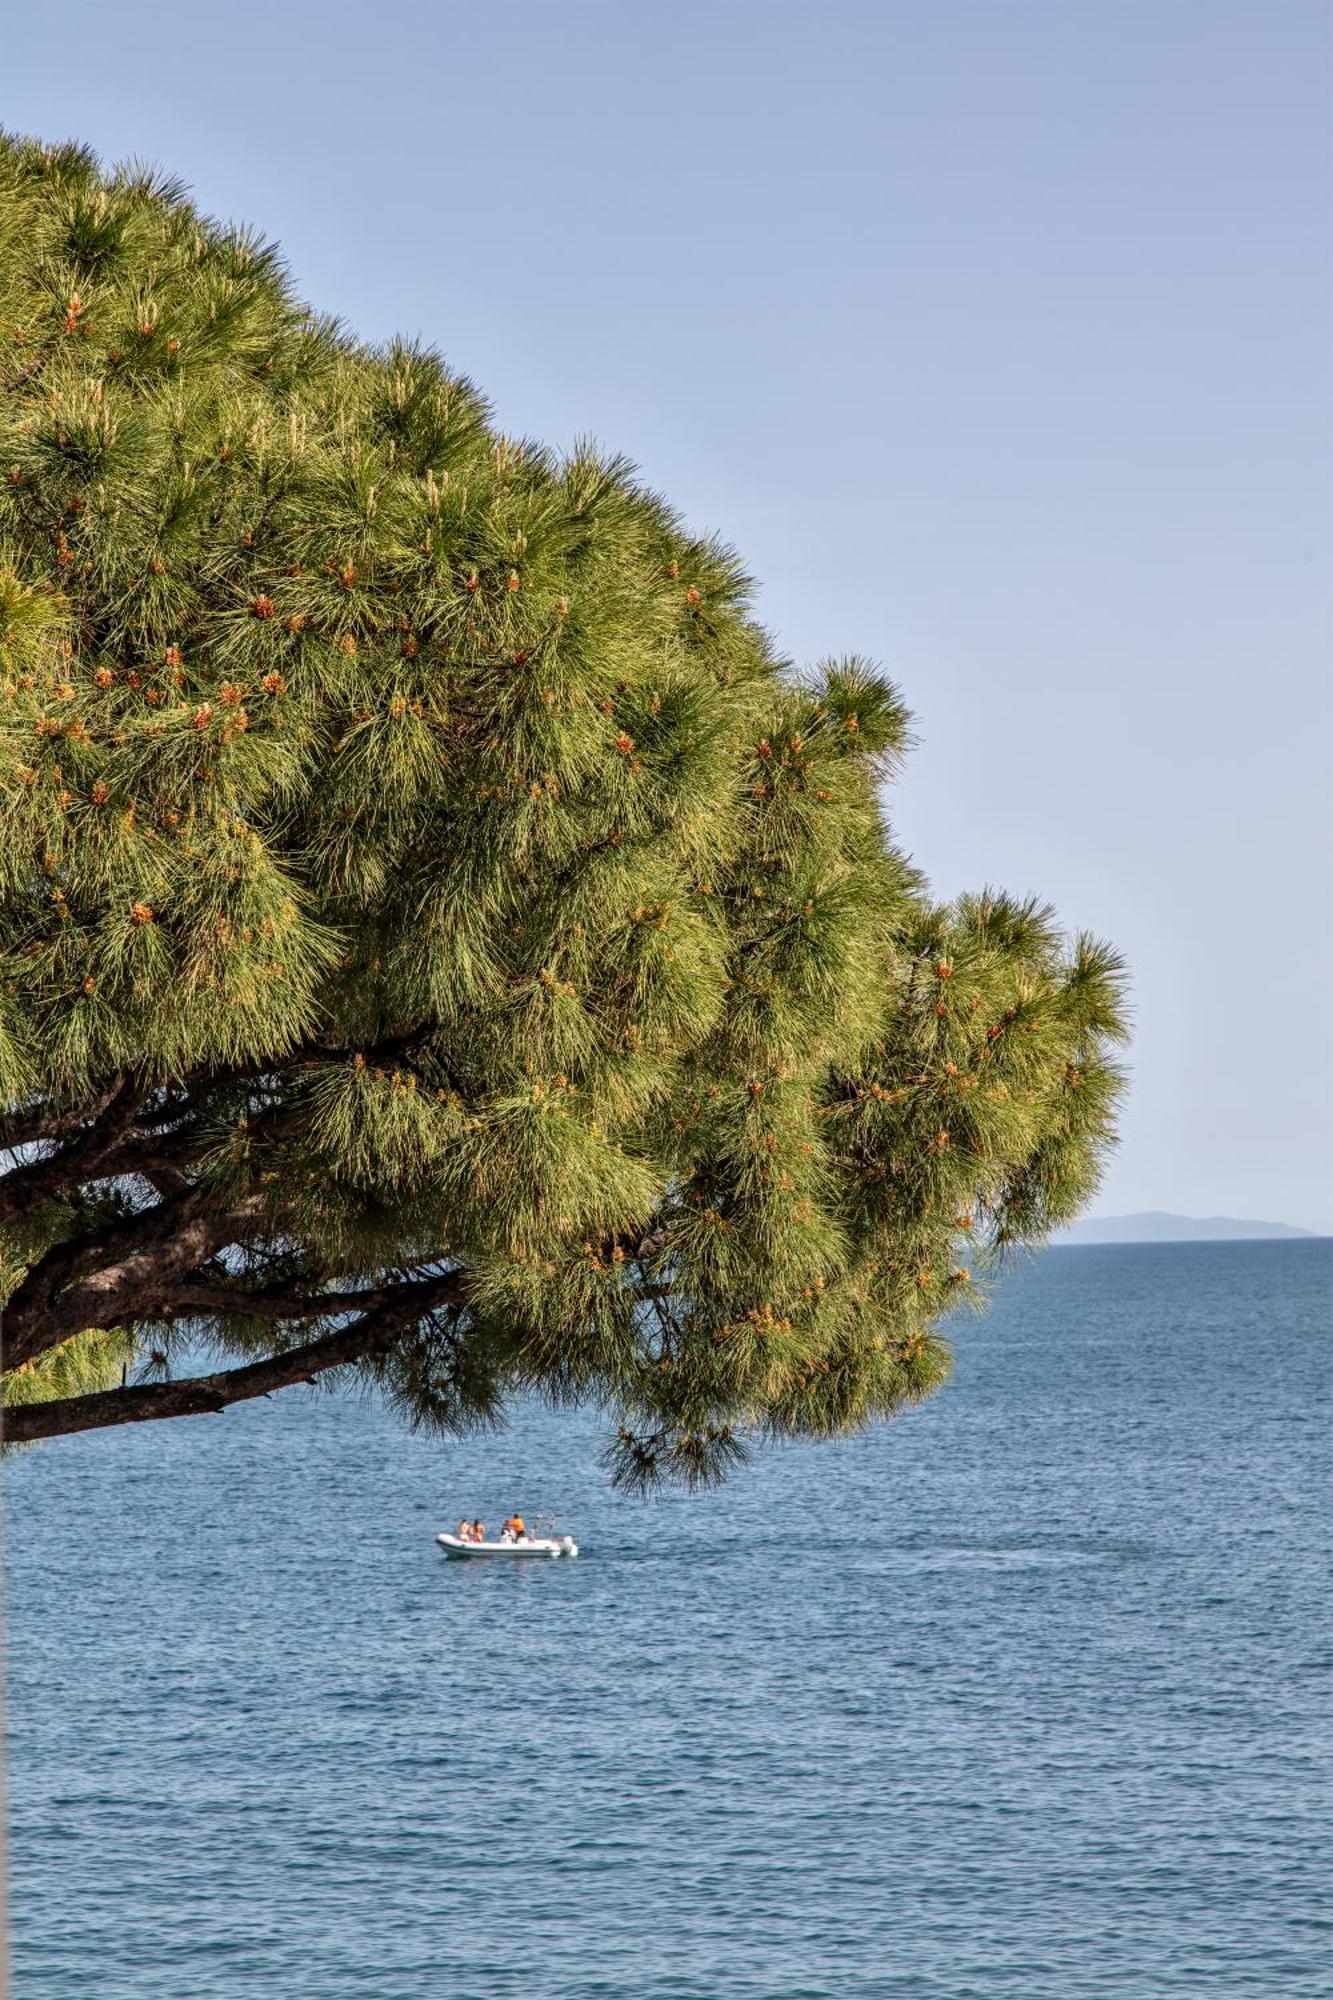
(1154,1226)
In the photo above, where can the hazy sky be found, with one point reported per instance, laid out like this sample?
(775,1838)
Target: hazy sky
(995,333)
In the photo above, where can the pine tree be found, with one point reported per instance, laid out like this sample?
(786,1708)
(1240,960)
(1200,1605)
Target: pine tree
(441,941)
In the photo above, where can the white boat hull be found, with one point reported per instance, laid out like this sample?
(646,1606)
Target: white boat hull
(459,1551)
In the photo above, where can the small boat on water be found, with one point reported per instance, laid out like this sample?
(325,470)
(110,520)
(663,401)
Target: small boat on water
(513,1550)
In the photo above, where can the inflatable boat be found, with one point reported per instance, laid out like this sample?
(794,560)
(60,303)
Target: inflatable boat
(513,1550)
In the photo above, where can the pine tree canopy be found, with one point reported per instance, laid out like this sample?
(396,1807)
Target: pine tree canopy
(443,944)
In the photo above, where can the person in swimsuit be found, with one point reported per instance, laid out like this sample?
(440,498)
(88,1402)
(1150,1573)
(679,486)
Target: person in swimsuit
(478,1531)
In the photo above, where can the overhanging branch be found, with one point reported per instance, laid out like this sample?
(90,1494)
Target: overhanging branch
(399,1309)
(128,1271)
(275,1302)
(40,1122)
(118,1131)
(92,1152)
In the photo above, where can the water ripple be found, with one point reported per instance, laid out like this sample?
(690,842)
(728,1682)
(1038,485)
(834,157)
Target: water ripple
(1026,1698)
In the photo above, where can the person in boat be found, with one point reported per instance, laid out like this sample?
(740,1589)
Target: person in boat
(515,1529)
(464,1532)
(478,1531)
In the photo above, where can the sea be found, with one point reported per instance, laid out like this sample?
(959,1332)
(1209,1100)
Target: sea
(1024,1694)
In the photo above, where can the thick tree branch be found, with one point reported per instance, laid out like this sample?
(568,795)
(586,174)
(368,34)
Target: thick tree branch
(108,1137)
(132,1268)
(40,1122)
(276,1302)
(126,1273)
(305,1055)
(398,1310)
(83,1158)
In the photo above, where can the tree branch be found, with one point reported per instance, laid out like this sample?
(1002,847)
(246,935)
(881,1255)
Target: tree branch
(305,1054)
(397,1312)
(276,1302)
(39,1121)
(112,1124)
(109,1136)
(127,1273)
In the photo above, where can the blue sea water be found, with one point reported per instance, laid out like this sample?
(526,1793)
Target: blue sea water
(1027,1694)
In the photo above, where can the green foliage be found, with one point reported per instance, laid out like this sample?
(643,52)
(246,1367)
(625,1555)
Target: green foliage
(78,1367)
(430,815)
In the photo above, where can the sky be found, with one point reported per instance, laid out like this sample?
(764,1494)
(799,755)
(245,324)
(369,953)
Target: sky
(997,335)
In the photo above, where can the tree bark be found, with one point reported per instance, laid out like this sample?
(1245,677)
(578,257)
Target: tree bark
(398,1309)
(127,1273)
(113,1134)
(82,1159)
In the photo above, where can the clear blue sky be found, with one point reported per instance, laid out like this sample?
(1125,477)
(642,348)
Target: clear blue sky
(995,333)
